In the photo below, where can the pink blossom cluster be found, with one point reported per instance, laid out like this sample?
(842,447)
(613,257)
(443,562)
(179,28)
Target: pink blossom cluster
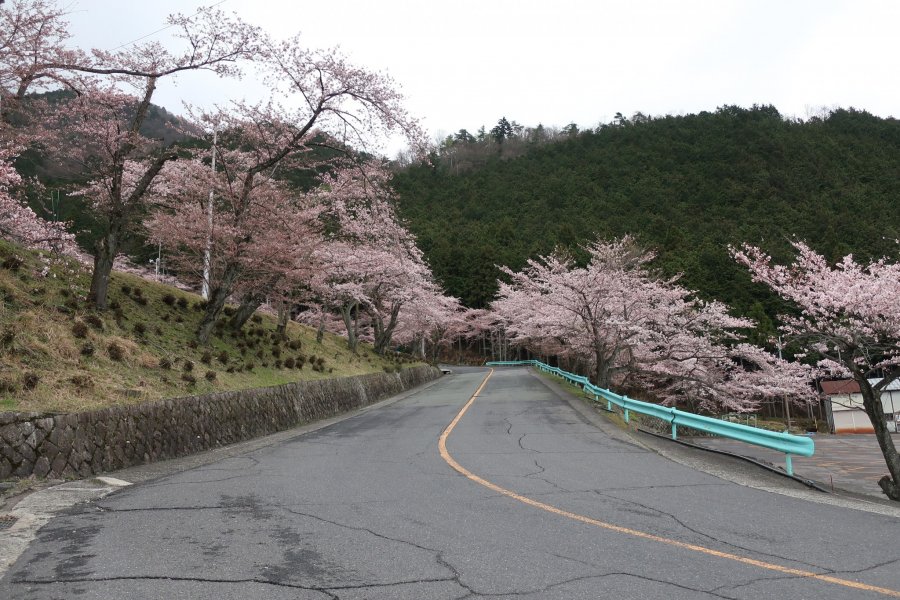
(633,328)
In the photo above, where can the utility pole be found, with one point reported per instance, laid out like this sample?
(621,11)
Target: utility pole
(787,408)
(207,255)
(54,204)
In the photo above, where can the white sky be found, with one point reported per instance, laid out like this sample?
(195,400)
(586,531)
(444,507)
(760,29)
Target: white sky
(465,63)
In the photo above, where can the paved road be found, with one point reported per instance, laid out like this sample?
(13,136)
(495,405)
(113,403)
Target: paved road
(552,507)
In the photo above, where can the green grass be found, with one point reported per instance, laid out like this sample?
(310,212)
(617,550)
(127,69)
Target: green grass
(46,324)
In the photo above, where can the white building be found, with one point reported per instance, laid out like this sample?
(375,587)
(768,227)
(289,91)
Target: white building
(844,406)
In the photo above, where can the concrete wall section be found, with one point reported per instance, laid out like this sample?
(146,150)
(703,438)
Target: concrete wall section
(91,442)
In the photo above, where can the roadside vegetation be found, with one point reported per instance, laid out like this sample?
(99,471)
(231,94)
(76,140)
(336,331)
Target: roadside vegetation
(57,354)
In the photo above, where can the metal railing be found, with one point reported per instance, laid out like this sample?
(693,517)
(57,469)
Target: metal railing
(782,442)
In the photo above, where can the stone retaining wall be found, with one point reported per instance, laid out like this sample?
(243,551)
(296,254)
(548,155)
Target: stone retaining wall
(82,444)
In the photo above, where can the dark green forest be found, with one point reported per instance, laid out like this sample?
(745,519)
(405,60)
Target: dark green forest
(686,186)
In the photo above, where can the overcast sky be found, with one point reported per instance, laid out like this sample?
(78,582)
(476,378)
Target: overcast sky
(466,63)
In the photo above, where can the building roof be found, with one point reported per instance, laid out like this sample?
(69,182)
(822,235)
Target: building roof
(848,386)
(892,386)
(842,386)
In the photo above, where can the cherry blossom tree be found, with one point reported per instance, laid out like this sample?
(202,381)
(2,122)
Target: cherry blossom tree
(100,129)
(17,221)
(372,264)
(849,317)
(33,38)
(271,244)
(640,330)
(432,319)
(319,101)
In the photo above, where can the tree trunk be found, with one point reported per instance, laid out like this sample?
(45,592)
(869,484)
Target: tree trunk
(248,306)
(890,484)
(384,333)
(320,332)
(284,313)
(601,370)
(217,297)
(347,314)
(105,254)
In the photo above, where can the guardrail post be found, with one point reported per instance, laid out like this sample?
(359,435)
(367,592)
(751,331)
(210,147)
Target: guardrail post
(789,467)
(626,415)
(674,431)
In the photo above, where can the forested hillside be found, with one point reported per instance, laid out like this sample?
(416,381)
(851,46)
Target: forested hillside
(685,185)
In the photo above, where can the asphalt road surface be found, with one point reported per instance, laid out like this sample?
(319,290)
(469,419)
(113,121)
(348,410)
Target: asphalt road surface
(525,499)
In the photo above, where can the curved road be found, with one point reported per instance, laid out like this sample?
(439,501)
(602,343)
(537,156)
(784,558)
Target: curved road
(526,499)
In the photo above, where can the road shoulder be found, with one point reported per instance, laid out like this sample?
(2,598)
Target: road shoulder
(728,468)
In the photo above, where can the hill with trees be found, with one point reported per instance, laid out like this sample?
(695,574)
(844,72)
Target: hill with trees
(687,186)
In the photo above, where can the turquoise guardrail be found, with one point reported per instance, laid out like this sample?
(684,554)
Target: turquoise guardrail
(782,442)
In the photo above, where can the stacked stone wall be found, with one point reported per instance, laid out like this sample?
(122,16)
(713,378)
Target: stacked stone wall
(90,442)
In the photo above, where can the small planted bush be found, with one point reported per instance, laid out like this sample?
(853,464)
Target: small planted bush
(168,299)
(30,380)
(206,358)
(8,385)
(12,263)
(295,344)
(188,378)
(140,329)
(188,366)
(94,321)
(210,375)
(289,363)
(87,349)
(82,382)
(223,357)
(115,352)
(182,303)
(79,330)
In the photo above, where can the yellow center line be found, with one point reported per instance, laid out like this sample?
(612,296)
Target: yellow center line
(442,445)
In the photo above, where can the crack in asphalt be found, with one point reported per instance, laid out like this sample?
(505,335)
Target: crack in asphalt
(322,590)
(169,483)
(540,470)
(864,569)
(548,588)
(734,587)
(661,487)
(522,437)
(707,536)
(355,528)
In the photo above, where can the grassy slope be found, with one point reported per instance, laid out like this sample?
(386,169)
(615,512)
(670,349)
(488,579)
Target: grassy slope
(43,366)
